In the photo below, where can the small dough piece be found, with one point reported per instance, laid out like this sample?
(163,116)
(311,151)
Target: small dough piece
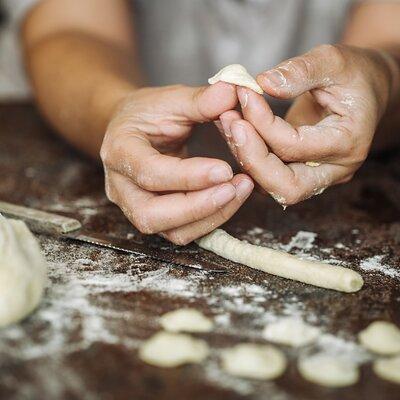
(238,75)
(255,361)
(23,271)
(186,320)
(326,370)
(388,369)
(281,264)
(291,332)
(381,337)
(169,350)
(313,164)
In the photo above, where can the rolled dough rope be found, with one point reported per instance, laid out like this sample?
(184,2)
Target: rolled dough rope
(281,264)
(238,75)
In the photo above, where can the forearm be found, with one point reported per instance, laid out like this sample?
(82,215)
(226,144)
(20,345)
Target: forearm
(78,80)
(374,25)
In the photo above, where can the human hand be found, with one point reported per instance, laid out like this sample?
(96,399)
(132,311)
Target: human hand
(341,93)
(158,191)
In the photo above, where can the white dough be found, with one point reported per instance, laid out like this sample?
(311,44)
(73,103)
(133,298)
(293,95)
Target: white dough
(328,371)
(186,320)
(168,350)
(388,369)
(255,361)
(238,75)
(381,337)
(313,164)
(281,264)
(23,271)
(291,332)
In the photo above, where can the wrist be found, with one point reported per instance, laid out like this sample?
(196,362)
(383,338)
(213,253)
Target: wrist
(391,66)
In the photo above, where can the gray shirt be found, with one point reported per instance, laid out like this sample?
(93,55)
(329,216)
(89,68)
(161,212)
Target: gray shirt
(187,41)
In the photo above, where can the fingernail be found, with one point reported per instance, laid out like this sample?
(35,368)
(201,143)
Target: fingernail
(225,126)
(244,188)
(220,174)
(239,135)
(275,78)
(243,97)
(223,195)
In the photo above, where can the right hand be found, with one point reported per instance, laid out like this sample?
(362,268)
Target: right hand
(158,191)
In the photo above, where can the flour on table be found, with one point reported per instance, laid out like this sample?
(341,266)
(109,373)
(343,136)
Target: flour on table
(169,350)
(388,369)
(374,264)
(326,370)
(237,75)
(186,320)
(23,271)
(381,337)
(249,360)
(291,331)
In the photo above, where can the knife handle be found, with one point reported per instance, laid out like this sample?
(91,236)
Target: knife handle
(40,221)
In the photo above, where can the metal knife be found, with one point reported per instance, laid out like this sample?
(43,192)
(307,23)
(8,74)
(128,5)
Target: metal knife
(68,228)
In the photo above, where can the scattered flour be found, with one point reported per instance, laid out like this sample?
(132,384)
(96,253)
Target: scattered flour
(374,264)
(302,241)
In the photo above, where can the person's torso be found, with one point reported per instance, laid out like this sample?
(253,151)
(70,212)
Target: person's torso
(185,41)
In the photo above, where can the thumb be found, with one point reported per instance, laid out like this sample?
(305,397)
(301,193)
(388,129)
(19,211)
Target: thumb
(207,103)
(321,67)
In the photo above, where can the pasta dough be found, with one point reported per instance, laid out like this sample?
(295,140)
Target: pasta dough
(388,369)
(238,75)
(23,271)
(186,320)
(168,350)
(291,332)
(381,337)
(328,371)
(281,264)
(255,361)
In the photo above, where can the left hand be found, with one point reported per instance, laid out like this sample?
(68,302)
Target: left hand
(341,94)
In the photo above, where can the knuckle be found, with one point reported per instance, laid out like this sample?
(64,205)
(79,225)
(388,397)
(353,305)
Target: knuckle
(334,52)
(288,153)
(303,68)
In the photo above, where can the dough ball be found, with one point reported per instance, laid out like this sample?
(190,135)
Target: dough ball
(291,332)
(255,361)
(23,271)
(388,369)
(327,370)
(381,337)
(168,350)
(186,320)
(238,75)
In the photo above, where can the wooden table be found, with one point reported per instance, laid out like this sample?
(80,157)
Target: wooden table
(100,305)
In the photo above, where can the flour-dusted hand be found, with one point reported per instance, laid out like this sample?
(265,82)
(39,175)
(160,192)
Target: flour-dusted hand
(146,175)
(341,94)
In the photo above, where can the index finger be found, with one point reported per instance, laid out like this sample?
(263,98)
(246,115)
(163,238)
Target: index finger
(287,183)
(133,156)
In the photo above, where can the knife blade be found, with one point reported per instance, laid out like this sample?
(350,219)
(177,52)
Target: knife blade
(71,229)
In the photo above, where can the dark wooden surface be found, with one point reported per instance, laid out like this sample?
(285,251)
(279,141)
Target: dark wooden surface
(100,305)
